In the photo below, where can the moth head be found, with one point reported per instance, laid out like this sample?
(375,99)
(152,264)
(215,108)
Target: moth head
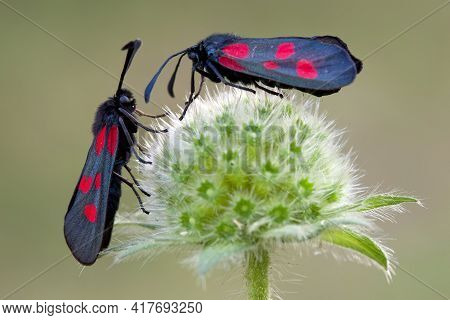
(125,100)
(193,55)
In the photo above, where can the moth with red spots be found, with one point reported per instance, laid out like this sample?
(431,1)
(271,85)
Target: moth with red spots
(89,219)
(318,65)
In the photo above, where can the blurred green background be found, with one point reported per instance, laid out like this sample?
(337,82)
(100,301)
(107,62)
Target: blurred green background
(396,114)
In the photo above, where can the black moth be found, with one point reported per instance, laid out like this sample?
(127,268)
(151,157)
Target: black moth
(89,219)
(318,65)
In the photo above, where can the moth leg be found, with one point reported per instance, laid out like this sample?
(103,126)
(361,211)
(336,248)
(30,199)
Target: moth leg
(208,75)
(143,114)
(192,95)
(267,90)
(226,82)
(135,181)
(131,185)
(192,98)
(187,104)
(202,82)
(136,122)
(131,142)
(141,148)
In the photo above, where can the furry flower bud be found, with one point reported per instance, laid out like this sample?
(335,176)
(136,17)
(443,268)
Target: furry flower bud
(244,173)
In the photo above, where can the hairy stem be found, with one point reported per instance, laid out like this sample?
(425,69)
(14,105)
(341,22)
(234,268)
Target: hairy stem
(257,274)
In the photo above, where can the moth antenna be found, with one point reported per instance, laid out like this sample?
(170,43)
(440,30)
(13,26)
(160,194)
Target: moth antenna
(149,88)
(132,48)
(173,77)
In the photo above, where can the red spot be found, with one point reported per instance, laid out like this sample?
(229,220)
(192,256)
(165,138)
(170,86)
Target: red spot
(270,65)
(305,69)
(285,50)
(230,64)
(237,50)
(100,141)
(113,136)
(90,211)
(85,184)
(98,181)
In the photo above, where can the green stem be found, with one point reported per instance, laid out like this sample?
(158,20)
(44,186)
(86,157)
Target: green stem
(257,274)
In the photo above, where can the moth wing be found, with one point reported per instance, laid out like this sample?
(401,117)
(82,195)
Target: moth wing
(84,223)
(320,63)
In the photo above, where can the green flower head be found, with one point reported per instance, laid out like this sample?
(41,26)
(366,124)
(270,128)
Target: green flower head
(244,174)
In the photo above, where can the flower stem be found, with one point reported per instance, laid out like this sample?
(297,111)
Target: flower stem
(257,274)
